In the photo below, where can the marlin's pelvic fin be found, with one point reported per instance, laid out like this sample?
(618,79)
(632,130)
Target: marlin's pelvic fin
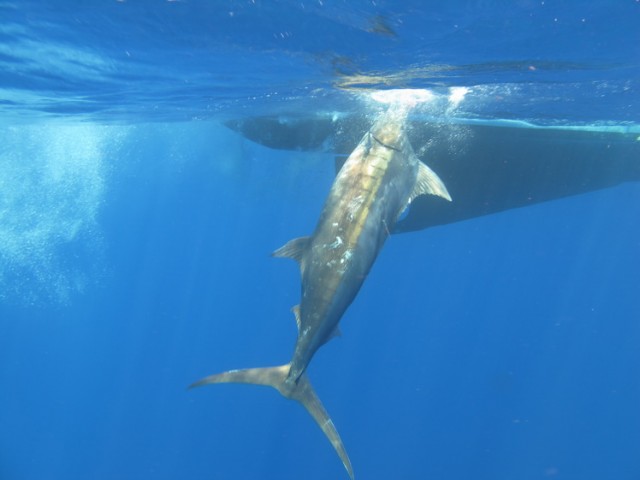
(301,391)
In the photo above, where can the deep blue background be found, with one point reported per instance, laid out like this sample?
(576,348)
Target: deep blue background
(134,258)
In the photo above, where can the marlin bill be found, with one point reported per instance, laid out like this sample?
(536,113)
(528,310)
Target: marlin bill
(377,182)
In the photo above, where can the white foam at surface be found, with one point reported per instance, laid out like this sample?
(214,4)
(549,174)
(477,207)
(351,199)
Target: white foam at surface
(456,96)
(406,97)
(401,102)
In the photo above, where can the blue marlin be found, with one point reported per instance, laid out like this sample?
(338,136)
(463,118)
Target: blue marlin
(374,186)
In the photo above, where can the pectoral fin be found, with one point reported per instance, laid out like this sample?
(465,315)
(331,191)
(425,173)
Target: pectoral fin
(428,183)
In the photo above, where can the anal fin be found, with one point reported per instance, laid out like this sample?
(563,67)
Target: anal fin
(295,249)
(296,312)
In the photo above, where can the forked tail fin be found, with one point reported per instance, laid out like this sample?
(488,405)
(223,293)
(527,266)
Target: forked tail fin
(302,391)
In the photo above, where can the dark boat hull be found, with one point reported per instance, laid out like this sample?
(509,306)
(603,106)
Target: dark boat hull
(488,167)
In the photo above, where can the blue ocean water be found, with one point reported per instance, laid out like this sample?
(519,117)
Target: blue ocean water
(135,233)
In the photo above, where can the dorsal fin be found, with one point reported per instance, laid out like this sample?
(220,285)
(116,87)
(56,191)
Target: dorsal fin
(336,332)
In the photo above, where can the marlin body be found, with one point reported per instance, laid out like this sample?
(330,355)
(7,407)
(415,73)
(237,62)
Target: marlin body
(377,182)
